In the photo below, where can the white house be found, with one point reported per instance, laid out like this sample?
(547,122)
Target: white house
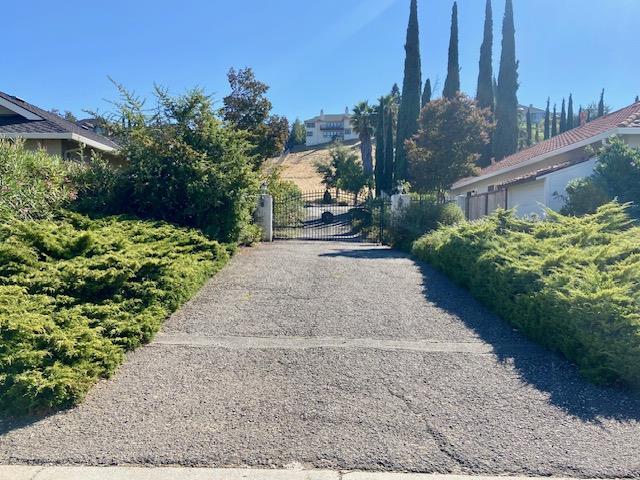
(326,128)
(537,177)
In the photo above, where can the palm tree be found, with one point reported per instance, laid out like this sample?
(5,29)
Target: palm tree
(363,122)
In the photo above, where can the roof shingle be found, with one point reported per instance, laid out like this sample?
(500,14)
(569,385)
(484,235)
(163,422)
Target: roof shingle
(50,123)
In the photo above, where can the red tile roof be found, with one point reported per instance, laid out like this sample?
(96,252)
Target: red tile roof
(628,117)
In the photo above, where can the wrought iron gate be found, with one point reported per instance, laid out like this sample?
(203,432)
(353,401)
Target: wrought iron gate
(324,215)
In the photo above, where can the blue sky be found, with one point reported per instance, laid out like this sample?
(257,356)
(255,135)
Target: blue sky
(314,55)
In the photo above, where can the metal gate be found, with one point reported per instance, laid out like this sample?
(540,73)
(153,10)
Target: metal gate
(323,215)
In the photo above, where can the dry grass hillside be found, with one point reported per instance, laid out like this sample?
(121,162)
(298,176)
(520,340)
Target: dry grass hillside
(299,165)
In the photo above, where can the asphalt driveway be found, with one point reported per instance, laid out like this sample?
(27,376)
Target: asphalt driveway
(340,356)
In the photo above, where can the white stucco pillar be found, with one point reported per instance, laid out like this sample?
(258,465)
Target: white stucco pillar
(264,216)
(399,201)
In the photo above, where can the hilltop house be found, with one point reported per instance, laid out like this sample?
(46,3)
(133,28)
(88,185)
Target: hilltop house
(326,128)
(42,129)
(537,177)
(537,114)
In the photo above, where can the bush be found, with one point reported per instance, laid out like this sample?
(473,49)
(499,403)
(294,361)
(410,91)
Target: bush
(33,185)
(616,177)
(101,187)
(76,294)
(421,216)
(185,165)
(568,283)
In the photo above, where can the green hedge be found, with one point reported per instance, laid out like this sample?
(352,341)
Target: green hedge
(572,284)
(76,294)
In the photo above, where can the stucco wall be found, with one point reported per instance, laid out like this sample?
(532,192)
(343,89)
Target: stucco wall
(556,183)
(527,198)
(317,134)
(53,147)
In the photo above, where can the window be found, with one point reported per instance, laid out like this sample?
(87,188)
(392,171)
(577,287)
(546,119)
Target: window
(309,133)
(310,125)
(347,131)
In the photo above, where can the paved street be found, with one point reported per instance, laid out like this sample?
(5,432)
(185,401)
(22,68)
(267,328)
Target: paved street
(340,356)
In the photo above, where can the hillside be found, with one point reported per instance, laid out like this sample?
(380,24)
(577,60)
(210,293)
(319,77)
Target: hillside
(299,165)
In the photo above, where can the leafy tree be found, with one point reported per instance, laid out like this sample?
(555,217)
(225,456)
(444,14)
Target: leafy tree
(616,176)
(363,122)
(426,94)
(185,165)
(344,172)
(451,136)
(247,108)
(570,117)
(505,140)
(563,118)
(452,83)
(411,92)
(484,95)
(298,134)
(547,121)
(554,122)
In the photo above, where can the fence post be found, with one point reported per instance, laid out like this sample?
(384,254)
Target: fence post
(264,216)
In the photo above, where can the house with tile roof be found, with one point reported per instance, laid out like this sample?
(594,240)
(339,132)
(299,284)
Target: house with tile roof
(326,128)
(537,177)
(42,129)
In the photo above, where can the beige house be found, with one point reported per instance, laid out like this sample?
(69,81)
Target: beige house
(537,177)
(42,129)
(326,128)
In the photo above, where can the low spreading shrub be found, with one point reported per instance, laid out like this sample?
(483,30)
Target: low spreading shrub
(569,283)
(76,294)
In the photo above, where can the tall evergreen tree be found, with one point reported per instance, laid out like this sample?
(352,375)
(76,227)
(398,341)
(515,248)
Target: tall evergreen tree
(388,151)
(452,83)
(380,160)
(579,119)
(547,120)
(601,105)
(554,121)
(563,118)
(505,139)
(484,94)
(570,118)
(637,99)
(529,128)
(411,92)
(426,94)
(537,137)
(395,91)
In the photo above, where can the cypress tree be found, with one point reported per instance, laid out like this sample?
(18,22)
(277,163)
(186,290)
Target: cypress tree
(505,139)
(395,92)
(570,117)
(547,120)
(484,94)
(601,105)
(529,128)
(411,91)
(380,160)
(554,122)
(452,83)
(426,94)
(579,122)
(388,151)
(637,98)
(537,133)
(563,118)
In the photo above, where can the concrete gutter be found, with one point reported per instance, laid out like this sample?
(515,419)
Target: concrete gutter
(17,472)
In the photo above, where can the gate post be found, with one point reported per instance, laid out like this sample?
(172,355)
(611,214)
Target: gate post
(264,216)
(398,202)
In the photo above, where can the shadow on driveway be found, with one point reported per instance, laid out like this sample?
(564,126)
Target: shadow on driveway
(537,366)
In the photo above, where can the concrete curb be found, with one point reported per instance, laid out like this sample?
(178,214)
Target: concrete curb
(19,472)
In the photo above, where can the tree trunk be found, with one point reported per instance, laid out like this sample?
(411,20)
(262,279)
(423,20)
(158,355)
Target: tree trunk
(365,151)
